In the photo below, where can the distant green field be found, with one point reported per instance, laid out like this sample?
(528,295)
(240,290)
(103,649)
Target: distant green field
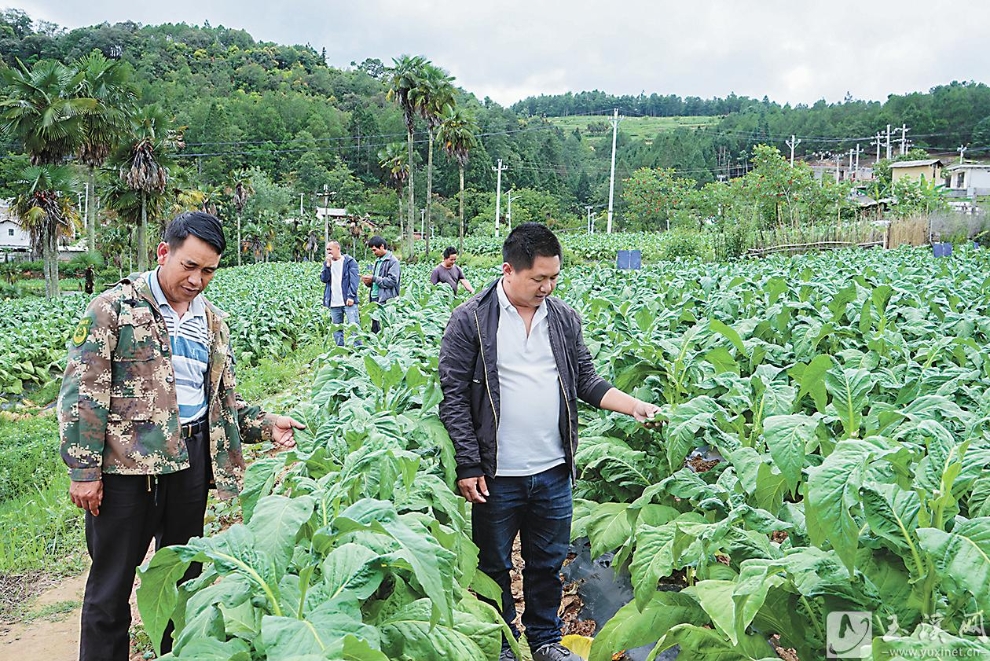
(637,128)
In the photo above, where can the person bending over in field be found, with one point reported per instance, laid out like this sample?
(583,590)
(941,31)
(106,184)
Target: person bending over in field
(449,272)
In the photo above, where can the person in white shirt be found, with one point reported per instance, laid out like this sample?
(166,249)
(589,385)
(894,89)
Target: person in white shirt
(340,274)
(513,364)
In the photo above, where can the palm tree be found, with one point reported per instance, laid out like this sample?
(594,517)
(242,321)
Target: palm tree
(126,204)
(395,163)
(105,81)
(46,211)
(405,87)
(436,98)
(42,110)
(240,197)
(144,164)
(457,136)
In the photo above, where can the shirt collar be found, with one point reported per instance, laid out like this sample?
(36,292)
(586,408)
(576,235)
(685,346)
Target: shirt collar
(197,307)
(506,304)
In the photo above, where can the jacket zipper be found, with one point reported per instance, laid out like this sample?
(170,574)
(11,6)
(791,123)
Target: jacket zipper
(484,363)
(568,444)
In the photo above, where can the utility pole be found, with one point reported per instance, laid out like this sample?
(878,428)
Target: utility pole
(888,142)
(498,193)
(838,165)
(422,223)
(961,150)
(508,215)
(857,151)
(904,142)
(611,178)
(792,143)
(851,173)
(591,230)
(878,142)
(326,214)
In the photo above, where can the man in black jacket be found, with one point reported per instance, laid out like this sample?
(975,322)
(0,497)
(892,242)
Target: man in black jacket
(513,364)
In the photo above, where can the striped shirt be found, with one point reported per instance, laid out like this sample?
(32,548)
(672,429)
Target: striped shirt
(188,336)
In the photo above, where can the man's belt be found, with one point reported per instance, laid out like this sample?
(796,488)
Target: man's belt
(193,428)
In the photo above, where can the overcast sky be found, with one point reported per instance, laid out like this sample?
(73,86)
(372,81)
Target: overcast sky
(793,51)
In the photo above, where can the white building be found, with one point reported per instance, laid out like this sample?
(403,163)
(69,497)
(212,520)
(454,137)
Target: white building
(969,179)
(13,238)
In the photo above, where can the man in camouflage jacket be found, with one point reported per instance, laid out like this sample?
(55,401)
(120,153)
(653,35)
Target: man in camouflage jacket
(119,417)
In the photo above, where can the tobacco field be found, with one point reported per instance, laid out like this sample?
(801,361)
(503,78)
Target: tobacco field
(825,449)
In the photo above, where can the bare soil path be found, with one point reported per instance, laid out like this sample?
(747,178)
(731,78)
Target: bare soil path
(52,633)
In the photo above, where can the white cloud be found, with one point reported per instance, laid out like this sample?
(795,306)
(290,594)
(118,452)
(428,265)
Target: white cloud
(790,50)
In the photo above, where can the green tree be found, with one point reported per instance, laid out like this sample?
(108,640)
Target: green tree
(240,196)
(405,87)
(457,136)
(108,83)
(144,164)
(653,197)
(437,96)
(46,211)
(393,160)
(41,109)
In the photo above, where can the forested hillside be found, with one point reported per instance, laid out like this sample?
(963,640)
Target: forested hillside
(305,134)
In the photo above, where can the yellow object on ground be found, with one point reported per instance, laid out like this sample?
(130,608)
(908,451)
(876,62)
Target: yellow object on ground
(578,644)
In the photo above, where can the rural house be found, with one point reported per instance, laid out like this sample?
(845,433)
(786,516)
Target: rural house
(929,168)
(13,237)
(968,179)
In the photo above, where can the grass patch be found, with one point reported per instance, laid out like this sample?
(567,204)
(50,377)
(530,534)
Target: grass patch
(271,377)
(52,612)
(140,642)
(39,530)
(29,455)
(636,128)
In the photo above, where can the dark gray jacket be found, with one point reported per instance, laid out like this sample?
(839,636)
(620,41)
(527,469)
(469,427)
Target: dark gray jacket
(469,379)
(389,279)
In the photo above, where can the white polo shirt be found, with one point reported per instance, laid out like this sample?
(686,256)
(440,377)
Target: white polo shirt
(528,427)
(188,336)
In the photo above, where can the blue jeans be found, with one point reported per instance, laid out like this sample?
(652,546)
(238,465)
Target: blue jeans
(539,508)
(337,317)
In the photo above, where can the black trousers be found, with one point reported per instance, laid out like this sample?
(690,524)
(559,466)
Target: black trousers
(376,326)
(136,509)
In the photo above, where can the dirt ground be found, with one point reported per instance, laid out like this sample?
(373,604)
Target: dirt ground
(53,637)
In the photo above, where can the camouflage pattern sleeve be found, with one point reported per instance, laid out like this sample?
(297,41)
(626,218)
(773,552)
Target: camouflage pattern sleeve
(84,398)
(255,425)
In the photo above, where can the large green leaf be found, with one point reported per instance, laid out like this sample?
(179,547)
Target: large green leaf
(787,437)
(608,527)
(157,593)
(892,513)
(832,499)
(850,389)
(352,568)
(431,563)
(631,627)
(653,559)
(811,378)
(275,524)
(962,557)
(410,635)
